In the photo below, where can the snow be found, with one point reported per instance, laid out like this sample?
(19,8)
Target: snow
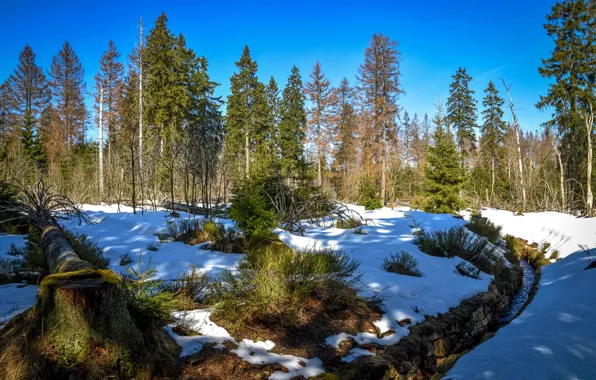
(260,353)
(198,321)
(390,231)
(355,353)
(125,232)
(563,231)
(554,337)
(14,298)
(250,351)
(7,240)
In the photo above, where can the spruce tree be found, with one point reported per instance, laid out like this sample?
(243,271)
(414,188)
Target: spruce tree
(165,96)
(29,95)
(443,176)
(292,127)
(68,89)
(461,113)
(381,87)
(492,132)
(571,65)
(241,118)
(321,97)
(109,77)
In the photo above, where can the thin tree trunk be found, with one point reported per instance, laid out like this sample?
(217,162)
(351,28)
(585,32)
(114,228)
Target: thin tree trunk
(132,167)
(141,111)
(319,175)
(101,143)
(589,196)
(384,167)
(246,154)
(561,176)
(492,185)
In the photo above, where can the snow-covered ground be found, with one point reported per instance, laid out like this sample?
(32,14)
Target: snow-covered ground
(563,231)
(555,336)
(405,297)
(14,298)
(125,232)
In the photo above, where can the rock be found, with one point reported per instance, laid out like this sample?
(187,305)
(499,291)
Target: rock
(403,322)
(366,368)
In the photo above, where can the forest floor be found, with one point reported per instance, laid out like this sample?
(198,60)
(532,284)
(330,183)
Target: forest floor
(555,336)
(563,306)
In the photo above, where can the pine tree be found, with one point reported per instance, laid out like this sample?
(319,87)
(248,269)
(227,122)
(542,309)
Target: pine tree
(241,118)
(68,88)
(292,127)
(381,87)
(321,97)
(443,174)
(572,64)
(492,132)
(109,77)
(461,113)
(29,97)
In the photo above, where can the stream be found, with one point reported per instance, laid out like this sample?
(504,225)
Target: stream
(520,299)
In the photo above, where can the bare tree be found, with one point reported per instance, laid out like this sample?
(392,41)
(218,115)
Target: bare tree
(561,173)
(515,125)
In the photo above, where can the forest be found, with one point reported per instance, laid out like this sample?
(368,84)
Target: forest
(163,134)
(153,229)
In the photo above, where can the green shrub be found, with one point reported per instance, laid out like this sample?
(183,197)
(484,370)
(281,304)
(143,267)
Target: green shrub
(484,227)
(457,241)
(349,223)
(125,259)
(152,247)
(188,288)
(272,285)
(30,258)
(249,210)
(402,263)
(149,303)
(519,249)
(468,270)
(369,194)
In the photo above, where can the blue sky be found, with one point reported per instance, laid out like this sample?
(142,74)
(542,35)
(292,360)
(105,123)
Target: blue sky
(492,39)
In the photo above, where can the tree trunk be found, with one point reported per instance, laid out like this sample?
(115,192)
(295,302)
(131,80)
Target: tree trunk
(141,110)
(101,143)
(319,174)
(384,167)
(246,154)
(589,196)
(561,176)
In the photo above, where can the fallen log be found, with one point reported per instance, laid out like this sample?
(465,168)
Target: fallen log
(81,326)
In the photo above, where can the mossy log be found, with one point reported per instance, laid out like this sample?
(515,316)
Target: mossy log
(81,327)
